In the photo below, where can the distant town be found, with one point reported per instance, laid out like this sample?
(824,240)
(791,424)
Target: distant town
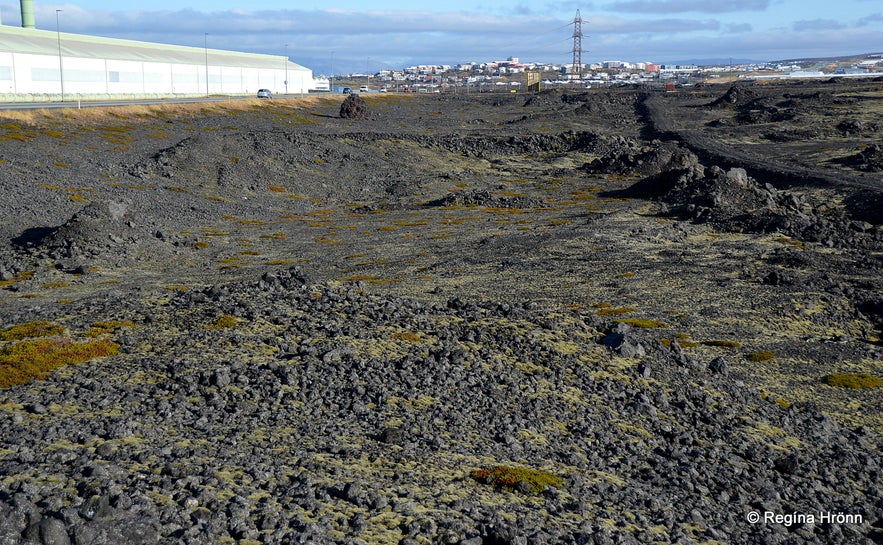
(509,74)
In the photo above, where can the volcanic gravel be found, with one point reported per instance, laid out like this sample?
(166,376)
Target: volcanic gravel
(326,325)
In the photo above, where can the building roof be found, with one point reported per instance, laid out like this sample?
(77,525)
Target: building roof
(45,42)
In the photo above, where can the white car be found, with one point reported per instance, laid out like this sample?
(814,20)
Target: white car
(265,93)
(363,89)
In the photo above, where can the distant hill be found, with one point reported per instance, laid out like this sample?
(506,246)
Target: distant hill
(714,62)
(844,58)
(725,61)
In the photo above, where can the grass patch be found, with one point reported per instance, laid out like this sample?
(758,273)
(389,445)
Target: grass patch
(510,478)
(855,381)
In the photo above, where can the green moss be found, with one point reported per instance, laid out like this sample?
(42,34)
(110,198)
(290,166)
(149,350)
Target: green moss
(32,359)
(29,330)
(509,477)
(855,381)
(760,356)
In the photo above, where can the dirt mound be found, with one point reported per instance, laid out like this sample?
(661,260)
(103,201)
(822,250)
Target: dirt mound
(736,96)
(354,107)
(103,227)
(628,157)
(209,160)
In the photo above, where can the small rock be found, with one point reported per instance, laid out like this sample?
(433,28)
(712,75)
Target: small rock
(718,366)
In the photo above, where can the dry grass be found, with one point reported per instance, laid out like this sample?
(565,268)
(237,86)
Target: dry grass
(102,116)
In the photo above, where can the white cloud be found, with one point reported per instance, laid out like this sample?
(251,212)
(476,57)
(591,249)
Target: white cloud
(682,6)
(393,39)
(818,24)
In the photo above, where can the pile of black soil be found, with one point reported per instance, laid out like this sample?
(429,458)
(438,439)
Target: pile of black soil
(868,159)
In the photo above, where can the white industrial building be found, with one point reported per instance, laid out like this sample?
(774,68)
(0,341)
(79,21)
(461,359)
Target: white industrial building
(42,65)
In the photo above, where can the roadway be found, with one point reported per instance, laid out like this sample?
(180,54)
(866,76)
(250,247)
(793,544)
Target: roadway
(127,102)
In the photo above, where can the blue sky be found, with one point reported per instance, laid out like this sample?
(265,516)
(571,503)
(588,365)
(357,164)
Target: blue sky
(353,36)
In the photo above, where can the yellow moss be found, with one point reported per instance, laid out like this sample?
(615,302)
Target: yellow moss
(407,336)
(31,359)
(224,322)
(853,380)
(29,330)
(106,328)
(760,356)
(644,323)
(508,477)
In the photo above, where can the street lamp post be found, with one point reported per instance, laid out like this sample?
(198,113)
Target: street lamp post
(286,69)
(60,62)
(205,47)
(331,75)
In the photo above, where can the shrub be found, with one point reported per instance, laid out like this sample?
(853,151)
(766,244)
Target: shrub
(509,478)
(855,381)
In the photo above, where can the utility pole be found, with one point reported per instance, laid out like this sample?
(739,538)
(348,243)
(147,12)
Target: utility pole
(60,61)
(577,67)
(205,47)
